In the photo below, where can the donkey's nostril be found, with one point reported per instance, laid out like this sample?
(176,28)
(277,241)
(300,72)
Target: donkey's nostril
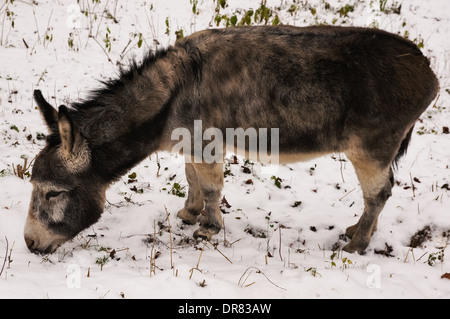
(29,242)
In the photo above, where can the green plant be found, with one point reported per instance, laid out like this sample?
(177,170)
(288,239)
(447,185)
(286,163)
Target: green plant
(139,42)
(11,17)
(263,13)
(419,42)
(70,40)
(194,4)
(132,177)
(222,4)
(277,181)
(48,35)
(71,43)
(293,9)
(269,224)
(344,11)
(297,203)
(102,261)
(179,34)
(276,20)
(107,40)
(433,258)
(177,190)
(41,77)
(313,271)
(167,26)
(424,130)
(383,5)
(247,18)
(229,21)
(8,14)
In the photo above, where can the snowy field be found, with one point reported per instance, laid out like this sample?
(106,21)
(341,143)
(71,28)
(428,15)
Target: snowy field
(279,241)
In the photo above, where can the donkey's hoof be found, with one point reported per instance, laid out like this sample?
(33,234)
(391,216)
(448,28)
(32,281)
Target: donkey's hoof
(200,234)
(206,231)
(187,216)
(352,247)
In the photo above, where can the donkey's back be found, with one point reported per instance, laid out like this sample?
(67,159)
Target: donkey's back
(323,87)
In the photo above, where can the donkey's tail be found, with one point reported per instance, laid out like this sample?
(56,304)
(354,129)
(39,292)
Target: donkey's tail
(403,148)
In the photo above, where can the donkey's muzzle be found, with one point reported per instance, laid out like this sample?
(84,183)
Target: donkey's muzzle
(39,239)
(35,248)
(30,243)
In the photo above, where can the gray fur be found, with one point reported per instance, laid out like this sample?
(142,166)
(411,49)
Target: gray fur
(328,89)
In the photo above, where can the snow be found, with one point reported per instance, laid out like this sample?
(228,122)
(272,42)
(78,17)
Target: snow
(250,258)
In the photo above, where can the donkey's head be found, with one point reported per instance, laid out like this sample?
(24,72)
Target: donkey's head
(67,194)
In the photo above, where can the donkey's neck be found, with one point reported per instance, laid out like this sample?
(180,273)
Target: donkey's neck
(124,122)
(114,158)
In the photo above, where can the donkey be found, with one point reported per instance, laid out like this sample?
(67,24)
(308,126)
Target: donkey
(327,89)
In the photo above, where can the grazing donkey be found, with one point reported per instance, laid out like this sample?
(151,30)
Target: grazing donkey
(328,89)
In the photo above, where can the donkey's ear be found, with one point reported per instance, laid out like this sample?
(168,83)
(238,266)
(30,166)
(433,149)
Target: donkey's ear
(74,147)
(66,131)
(72,142)
(48,112)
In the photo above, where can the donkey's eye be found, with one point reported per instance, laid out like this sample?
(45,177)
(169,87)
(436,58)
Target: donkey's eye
(52,194)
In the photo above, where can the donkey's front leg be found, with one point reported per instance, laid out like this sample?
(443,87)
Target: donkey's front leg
(210,180)
(194,203)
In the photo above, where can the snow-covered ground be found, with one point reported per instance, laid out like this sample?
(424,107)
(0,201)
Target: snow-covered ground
(277,242)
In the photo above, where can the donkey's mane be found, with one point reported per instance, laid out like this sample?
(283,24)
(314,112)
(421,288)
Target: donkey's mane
(125,75)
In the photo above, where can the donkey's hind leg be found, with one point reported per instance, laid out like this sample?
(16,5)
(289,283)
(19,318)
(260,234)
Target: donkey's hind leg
(194,203)
(376,182)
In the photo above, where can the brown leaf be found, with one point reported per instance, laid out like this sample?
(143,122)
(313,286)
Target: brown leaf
(386,252)
(421,236)
(246,170)
(446,276)
(225,202)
